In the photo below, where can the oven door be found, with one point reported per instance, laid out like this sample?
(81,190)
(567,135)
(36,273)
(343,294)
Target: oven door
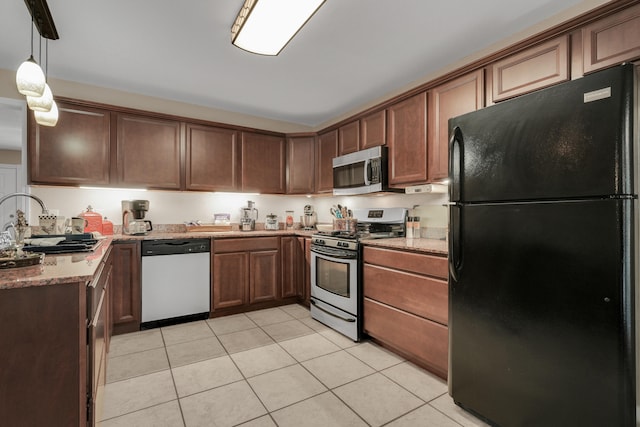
(334,278)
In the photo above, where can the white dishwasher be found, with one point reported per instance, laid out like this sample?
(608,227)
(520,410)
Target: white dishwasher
(175,281)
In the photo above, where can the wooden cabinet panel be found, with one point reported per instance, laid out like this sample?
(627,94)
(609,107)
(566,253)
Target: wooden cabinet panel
(149,152)
(212,159)
(456,97)
(412,262)
(612,40)
(327,149)
(373,130)
(245,244)
(419,295)
(126,302)
(301,164)
(263,163)
(543,65)
(230,278)
(264,277)
(417,338)
(349,138)
(407,141)
(291,266)
(44,355)
(74,152)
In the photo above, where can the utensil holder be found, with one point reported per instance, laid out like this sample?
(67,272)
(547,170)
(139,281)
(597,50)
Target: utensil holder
(345,224)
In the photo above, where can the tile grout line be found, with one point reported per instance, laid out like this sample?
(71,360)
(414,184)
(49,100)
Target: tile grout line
(173,379)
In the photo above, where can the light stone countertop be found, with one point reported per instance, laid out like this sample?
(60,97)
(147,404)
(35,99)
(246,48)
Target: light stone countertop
(81,267)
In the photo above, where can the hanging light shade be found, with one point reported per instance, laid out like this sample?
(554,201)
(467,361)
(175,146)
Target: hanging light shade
(30,78)
(266,26)
(41,103)
(47,118)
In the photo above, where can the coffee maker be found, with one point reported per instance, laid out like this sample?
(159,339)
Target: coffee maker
(248,217)
(133,212)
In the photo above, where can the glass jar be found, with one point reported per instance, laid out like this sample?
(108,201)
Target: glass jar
(289,219)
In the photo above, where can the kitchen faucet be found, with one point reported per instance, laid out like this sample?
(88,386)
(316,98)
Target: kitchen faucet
(37,199)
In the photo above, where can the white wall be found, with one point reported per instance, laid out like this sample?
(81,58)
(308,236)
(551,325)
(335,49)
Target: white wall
(172,207)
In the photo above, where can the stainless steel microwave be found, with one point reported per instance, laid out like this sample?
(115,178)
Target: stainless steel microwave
(361,172)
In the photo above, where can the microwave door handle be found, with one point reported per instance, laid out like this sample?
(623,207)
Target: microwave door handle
(367,169)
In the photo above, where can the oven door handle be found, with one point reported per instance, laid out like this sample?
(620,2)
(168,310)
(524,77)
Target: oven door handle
(335,254)
(346,319)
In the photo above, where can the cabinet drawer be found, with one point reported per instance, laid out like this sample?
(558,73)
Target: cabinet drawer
(246,244)
(419,295)
(408,261)
(426,341)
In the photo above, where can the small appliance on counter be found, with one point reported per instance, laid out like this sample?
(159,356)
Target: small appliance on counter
(133,213)
(271,223)
(248,217)
(309,219)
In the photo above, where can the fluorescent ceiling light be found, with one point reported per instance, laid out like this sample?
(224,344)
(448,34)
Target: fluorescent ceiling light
(266,26)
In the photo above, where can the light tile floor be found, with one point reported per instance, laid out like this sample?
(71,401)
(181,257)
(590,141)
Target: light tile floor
(274,367)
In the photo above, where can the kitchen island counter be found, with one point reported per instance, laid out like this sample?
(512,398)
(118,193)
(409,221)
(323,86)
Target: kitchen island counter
(56,269)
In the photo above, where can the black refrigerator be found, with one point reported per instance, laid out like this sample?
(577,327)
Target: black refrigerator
(542,256)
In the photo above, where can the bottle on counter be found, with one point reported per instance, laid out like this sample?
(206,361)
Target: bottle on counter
(409,228)
(416,227)
(289,219)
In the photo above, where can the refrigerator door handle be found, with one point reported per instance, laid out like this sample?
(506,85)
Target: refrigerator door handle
(455,163)
(455,233)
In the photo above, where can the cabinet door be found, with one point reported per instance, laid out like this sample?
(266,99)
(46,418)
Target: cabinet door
(373,130)
(407,141)
(543,65)
(212,161)
(327,149)
(149,152)
(349,138)
(74,152)
(300,164)
(459,96)
(126,308)
(291,266)
(264,276)
(263,163)
(230,279)
(611,40)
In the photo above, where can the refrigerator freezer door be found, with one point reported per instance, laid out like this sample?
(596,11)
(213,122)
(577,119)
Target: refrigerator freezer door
(541,319)
(571,140)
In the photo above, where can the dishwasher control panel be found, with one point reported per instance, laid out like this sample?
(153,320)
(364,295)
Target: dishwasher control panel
(175,246)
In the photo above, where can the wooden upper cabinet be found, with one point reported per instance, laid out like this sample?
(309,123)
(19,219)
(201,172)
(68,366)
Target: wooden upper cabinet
(149,152)
(543,65)
(212,161)
(373,130)
(301,164)
(456,97)
(74,152)
(326,150)
(612,40)
(349,138)
(407,141)
(263,163)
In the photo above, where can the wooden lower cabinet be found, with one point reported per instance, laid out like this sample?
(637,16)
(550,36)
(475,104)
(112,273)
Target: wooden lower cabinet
(53,353)
(417,338)
(291,258)
(126,298)
(246,271)
(406,304)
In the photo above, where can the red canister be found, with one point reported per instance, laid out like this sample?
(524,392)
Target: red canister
(93,220)
(107,227)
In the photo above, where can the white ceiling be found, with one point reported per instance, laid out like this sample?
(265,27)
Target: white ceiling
(350,53)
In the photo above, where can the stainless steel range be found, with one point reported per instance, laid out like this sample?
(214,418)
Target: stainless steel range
(336,266)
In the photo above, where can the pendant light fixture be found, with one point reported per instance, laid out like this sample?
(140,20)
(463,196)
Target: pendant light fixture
(29,77)
(45,116)
(266,26)
(44,102)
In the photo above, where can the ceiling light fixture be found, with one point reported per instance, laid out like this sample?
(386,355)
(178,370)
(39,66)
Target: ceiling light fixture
(29,77)
(43,116)
(45,101)
(266,26)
